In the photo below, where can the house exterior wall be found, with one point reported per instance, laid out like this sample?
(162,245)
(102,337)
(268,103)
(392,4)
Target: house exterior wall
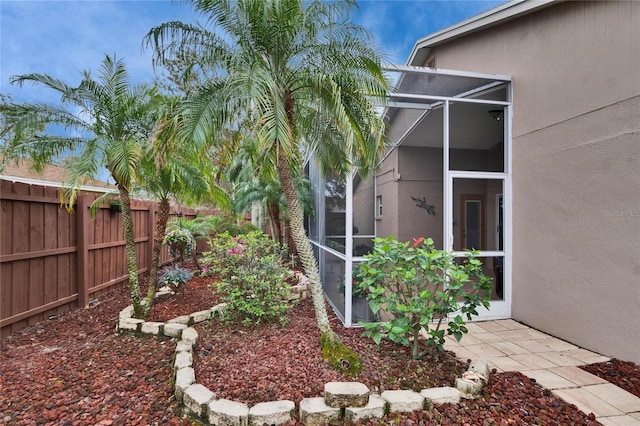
(363,207)
(576,166)
(421,178)
(387,188)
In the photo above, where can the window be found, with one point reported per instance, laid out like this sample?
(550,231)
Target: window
(379,205)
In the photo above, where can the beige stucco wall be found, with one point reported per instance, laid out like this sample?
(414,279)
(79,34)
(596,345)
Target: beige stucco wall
(363,202)
(421,177)
(387,187)
(576,166)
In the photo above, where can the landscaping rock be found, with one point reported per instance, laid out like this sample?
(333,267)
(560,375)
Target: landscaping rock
(443,395)
(219,308)
(200,316)
(403,401)
(375,408)
(184,319)
(182,346)
(190,335)
(154,328)
(173,329)
(196,398)
(183,359)
(132,324)
(161,295)
(346,394)
(185,377)
(126,313)
(271,413)
(224,412)
(314,412)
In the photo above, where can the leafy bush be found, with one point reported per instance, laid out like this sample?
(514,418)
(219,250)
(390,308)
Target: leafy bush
(181,243)
(175,277)
(411,285)
(251,277)
(217,261)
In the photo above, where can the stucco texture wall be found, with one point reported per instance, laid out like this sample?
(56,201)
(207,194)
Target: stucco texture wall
(576,166)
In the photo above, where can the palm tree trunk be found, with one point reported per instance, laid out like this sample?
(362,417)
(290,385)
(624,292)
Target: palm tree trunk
(161,227)
(338,355)
(274,218)
(130,244)
(304,248)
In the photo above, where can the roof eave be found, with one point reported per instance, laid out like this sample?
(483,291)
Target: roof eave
(497,15)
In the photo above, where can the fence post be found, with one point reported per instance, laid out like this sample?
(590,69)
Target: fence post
(82,247)
(151,229)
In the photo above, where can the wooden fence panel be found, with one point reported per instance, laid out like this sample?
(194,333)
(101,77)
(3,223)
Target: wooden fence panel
(52,260)
(50,243)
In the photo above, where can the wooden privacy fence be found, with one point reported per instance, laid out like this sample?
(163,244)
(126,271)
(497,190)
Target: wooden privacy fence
(52,260)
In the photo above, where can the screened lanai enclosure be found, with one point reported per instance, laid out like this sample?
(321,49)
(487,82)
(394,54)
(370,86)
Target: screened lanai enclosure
(446,175)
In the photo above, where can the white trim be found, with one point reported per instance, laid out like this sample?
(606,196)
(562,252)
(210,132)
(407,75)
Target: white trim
(443,71)
(459,174)
(443,98)
(348,250)
(447,183)
(480,253)
(410,105)
(499,201)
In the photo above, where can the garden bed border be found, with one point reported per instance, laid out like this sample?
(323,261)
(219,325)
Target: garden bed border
(201,403)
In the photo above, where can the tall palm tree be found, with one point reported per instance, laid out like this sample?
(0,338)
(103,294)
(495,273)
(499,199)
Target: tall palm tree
(107,121)
(170,170)
(304,75)
(255,181)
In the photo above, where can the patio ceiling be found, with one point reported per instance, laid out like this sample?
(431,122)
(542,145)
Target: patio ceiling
(417,100)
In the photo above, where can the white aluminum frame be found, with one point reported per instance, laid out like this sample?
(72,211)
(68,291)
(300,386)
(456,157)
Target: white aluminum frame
(499,309)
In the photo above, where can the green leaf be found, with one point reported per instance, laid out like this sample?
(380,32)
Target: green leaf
(377,338)
(398,330)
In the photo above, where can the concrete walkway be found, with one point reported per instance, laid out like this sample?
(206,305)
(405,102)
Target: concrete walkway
(510,346)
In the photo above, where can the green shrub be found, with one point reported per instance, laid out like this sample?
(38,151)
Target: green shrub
(218,260)
(252,278)
(175,277)
(411,285)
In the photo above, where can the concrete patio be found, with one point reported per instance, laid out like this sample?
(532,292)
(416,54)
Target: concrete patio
(510,346)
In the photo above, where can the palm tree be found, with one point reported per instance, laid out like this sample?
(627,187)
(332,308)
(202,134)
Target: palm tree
(170,170)
(304,75)
(254,181)
(109,120)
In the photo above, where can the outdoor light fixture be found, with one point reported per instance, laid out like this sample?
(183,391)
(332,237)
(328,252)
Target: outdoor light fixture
(496,114)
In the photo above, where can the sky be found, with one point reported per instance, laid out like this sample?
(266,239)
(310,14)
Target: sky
(64,38)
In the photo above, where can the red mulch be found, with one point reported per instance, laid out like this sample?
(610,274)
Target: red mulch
(184,302)
(76,370)
(624,374)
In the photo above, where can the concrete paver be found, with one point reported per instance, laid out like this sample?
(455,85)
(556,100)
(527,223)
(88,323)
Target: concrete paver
(561,358)
(577,376)
(619,421)
(618,397)
(549,380)
(505,363)
(533,361)
(508,345)
(588,402)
